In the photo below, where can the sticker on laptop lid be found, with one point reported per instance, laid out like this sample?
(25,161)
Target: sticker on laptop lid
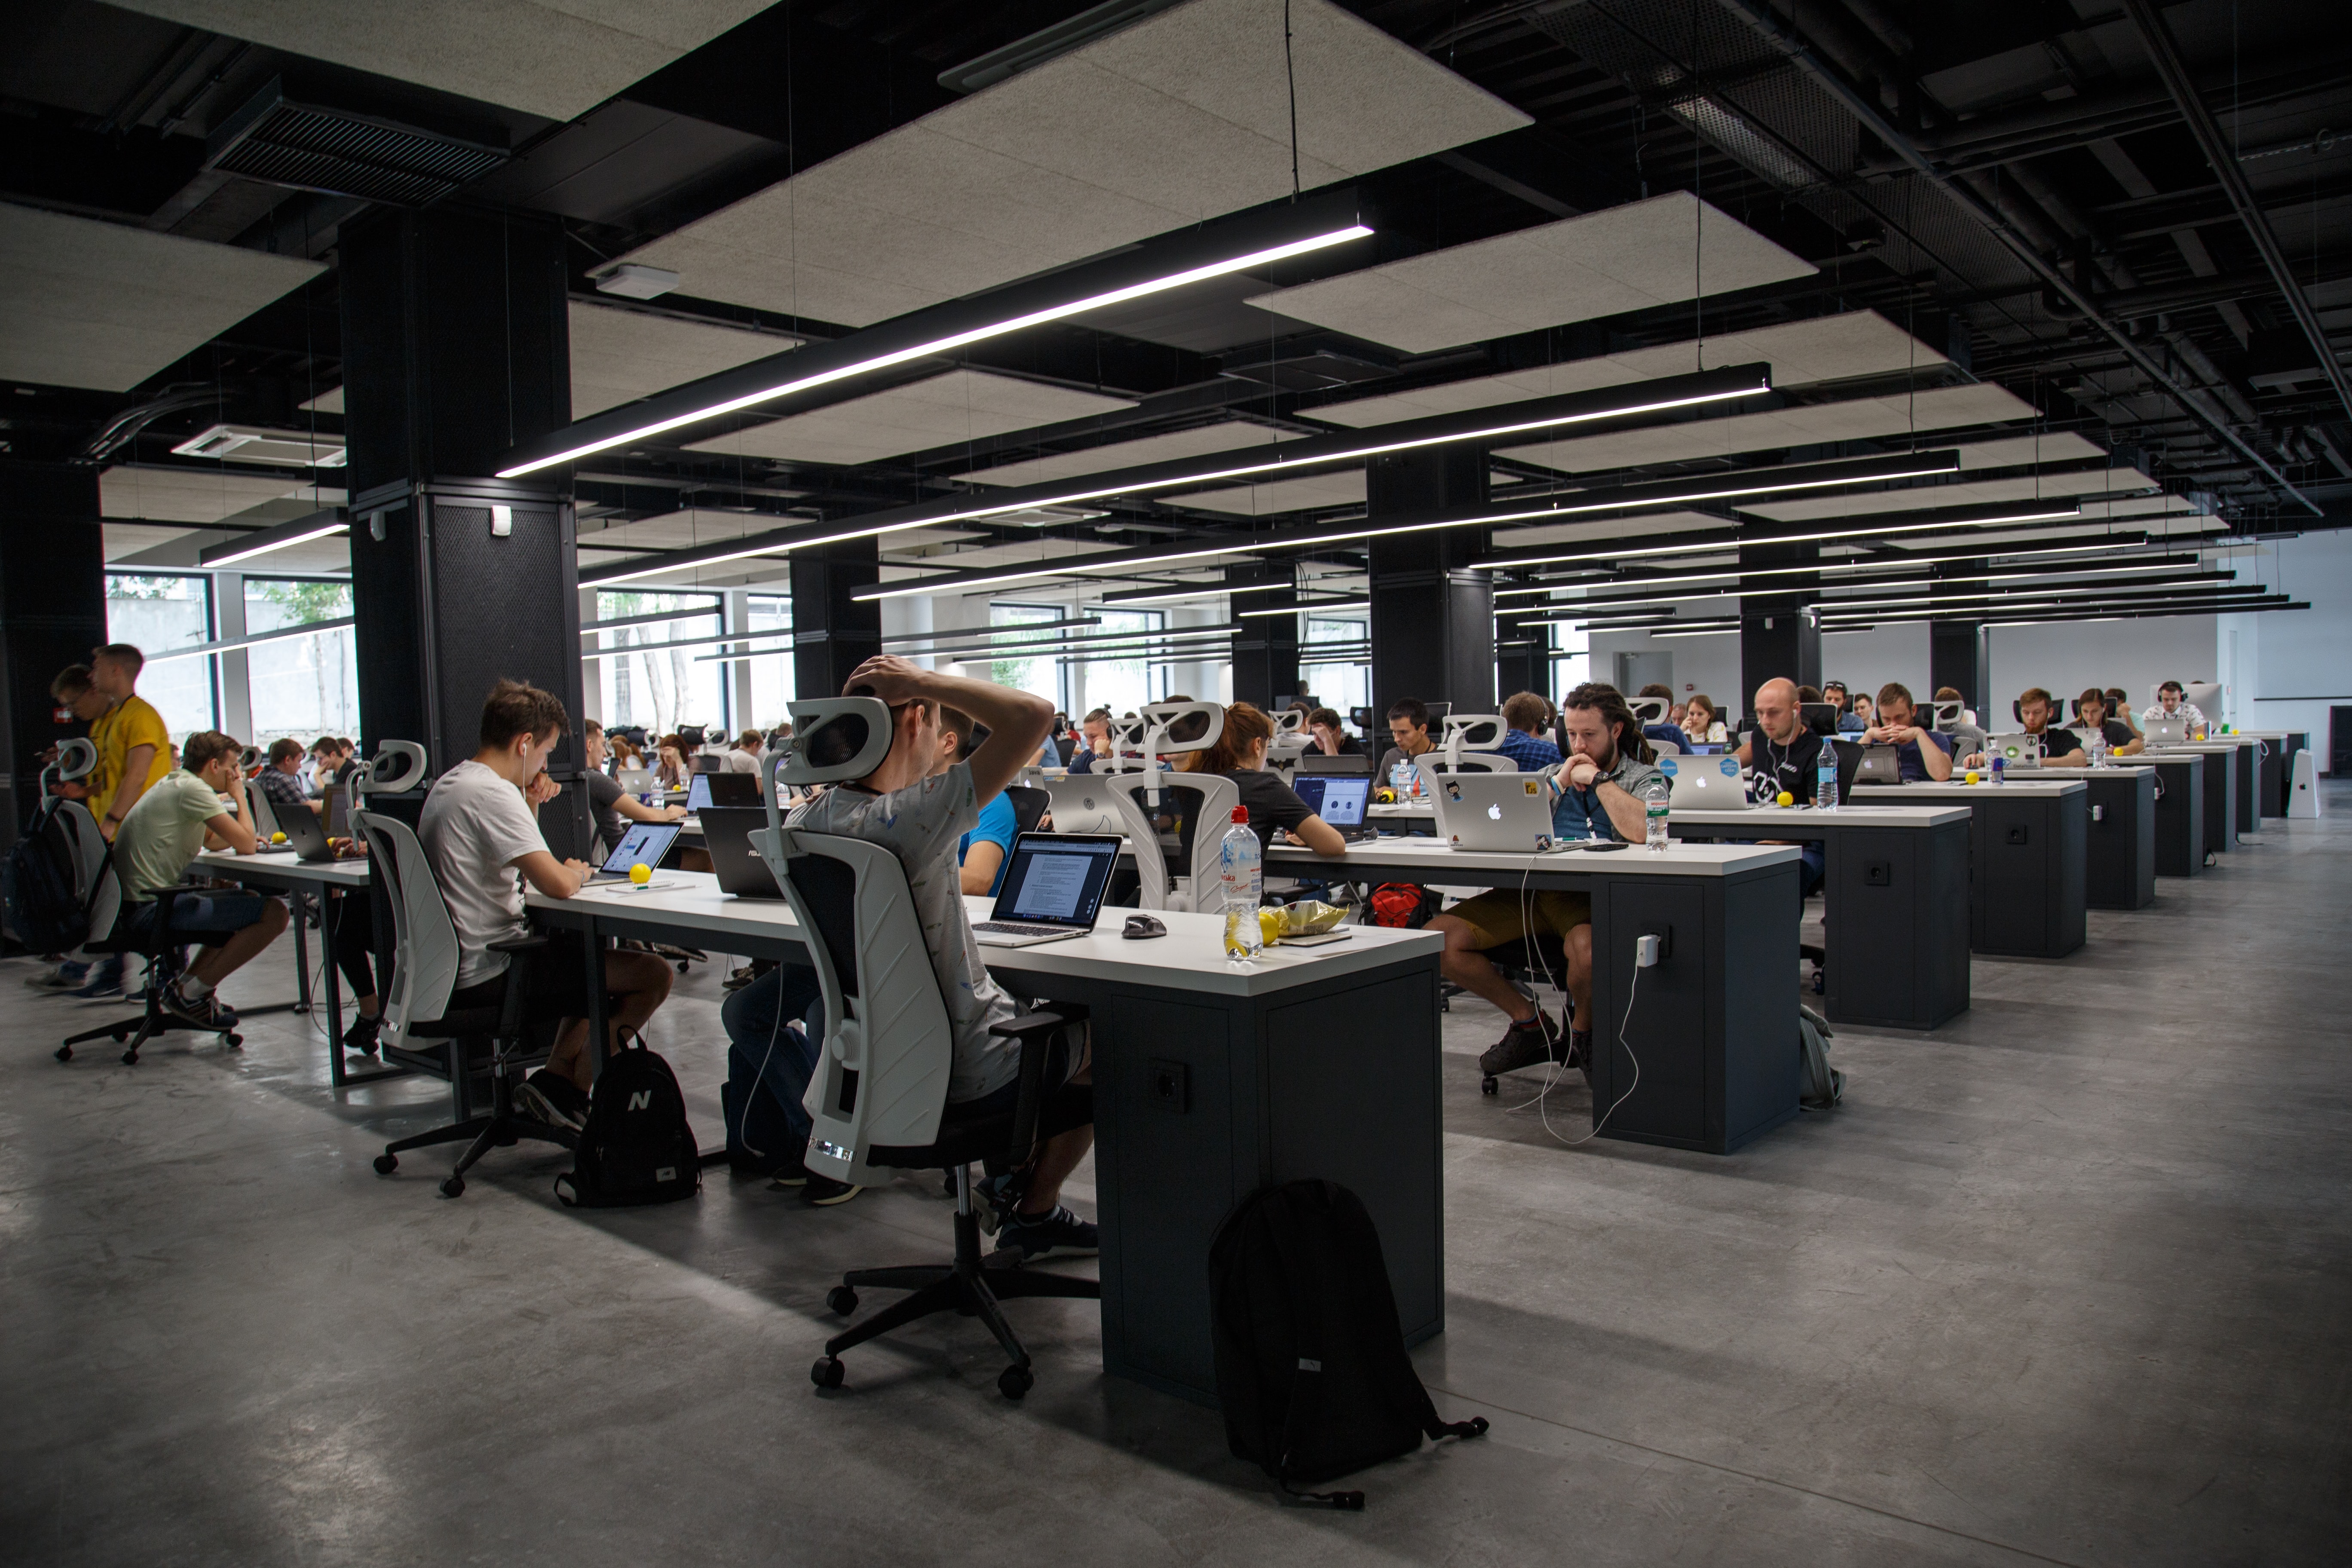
(1529,787)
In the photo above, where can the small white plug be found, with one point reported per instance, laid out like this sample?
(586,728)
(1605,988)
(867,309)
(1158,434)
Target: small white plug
(1646,951)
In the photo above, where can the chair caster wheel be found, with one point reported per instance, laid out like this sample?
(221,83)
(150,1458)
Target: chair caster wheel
(827,1373)
(235,1042)
(130,1058)
(65,1053)
(120,1036)
(1487,1085)
(841,1300)
(453,1186)
(1015,1381)
(385,1164)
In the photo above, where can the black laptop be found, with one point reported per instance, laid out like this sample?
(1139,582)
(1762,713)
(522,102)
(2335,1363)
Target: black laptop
(1339,800)
(1052,889)
(305,834)
(727,834)
(708,790)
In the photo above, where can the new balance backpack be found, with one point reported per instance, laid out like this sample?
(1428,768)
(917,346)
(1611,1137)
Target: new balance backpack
(1311,1366)
(636,1147)
(36,887)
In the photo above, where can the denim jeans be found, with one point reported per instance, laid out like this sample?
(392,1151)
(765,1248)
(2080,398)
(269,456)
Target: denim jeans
(754,1017)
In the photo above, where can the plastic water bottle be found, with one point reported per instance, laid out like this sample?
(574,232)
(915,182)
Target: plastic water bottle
(1241,876)
(1400,779)
(2097,747)
(1654,794)
(1825,771)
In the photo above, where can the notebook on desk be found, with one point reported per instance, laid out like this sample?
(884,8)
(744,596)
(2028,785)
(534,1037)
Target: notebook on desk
(2164,731)
(708,790)
(305,835)
(1052,889)
(2017,751)
(1339,800)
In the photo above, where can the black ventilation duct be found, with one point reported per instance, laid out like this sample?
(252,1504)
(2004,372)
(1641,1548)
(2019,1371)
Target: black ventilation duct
(344,154)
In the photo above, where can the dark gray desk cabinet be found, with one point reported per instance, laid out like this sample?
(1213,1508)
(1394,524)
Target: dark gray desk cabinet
(2119,871)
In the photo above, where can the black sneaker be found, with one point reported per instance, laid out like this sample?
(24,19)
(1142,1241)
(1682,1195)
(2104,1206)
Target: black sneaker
(554,1100)
(360,1039)
(1027,1237)
(823,1192)
(1523,1045)
(205,1012)
(1579,1049)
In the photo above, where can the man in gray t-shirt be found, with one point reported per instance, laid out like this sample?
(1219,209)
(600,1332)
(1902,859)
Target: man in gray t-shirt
(920,816)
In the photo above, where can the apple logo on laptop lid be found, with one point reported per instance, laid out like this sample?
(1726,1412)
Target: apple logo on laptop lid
(1495,812)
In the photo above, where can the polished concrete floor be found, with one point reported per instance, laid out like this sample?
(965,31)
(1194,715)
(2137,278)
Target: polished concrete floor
(2067,1281)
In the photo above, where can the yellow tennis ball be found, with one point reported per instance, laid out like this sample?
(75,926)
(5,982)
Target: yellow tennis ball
(641,873)
(277,839)
(1972,775)
(1784,798)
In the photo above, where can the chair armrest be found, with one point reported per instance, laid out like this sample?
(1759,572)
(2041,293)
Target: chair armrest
(520,949)
(520,944)
(1036,1031)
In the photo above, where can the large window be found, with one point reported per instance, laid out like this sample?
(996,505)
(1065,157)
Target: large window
(771,673)
(1121,685)
(1335,662)
(1571,659)
(155,616)
(303,687)
(1040,674)
(660,687)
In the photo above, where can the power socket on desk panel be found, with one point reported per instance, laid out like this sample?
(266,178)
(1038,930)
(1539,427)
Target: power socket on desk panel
(2017,833)
(1878,873)
(1654,944)
(1171,1085)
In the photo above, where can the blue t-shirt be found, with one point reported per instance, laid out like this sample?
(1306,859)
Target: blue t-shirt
(1913,767)
(1530,752)
(997,826)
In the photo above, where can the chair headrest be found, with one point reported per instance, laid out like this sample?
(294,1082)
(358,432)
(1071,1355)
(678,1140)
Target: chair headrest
(1649,709)
(1176,727)
(248,759)
(1948,712)
(76,758)
(1289,721)
(833,738)
(1478,732)
(397,766)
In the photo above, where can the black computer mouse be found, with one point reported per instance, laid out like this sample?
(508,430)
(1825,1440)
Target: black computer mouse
(1140,927)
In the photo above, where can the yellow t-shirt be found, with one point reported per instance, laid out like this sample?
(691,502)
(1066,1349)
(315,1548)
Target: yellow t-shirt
(122,730)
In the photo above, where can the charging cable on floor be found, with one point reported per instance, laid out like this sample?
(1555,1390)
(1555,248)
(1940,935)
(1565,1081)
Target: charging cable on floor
(1646,952)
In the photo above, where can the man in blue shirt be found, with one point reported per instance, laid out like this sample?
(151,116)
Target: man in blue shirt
(982,852)
(1849,723)
(1522,721)
(1922,755)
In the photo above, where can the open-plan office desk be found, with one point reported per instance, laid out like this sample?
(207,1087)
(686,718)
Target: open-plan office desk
(1212,1081)
(2026,859)
(330,882)
(1895,890)
(2224,761)
(2119,840)
(1713,1025)
(2274,768)
(2180,813)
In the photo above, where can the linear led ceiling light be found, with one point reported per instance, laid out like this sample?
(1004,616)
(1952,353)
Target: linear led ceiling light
(2106,542)
(2170,567)
(803,369)
(1309,607)
(2038,512)
(301,531)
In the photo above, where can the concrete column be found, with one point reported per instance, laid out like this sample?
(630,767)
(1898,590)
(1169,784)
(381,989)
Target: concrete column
(735,615)
(1432,618)
(52,612)
(1780,631)
(1266,651)
(833,633)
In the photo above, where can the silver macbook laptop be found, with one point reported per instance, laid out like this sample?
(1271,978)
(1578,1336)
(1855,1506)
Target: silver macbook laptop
(644,844)
(1880,766)
(1084,804)
(634,780)
(1052,889)
(1339,799)
(1704,784)
(2164,731)
(1510,813)
(2017,751)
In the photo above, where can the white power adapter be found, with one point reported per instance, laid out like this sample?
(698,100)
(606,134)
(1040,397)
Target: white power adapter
(1646,950)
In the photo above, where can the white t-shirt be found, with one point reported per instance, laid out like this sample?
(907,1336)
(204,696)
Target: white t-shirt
(739,762)
(921,824)
(2187,713)
(475,826)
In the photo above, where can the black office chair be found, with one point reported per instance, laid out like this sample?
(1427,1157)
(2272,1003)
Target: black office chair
(421,1030)
(879,1098)
(164,958)
(1528,964)
(1029,806)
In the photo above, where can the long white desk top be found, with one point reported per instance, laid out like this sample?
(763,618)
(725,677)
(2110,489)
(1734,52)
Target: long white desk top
(283,865)
(1791,816)
(1191,957)
(1955,790)
(1430,860)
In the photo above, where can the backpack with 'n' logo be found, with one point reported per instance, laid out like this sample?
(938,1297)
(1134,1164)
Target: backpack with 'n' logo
(636,1147)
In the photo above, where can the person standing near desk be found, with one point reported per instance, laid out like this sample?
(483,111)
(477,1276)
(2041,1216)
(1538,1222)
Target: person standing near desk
(479,829)
(1921,755)
(1594,798)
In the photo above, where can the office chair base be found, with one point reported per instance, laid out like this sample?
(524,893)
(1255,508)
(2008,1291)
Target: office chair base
(966,1287)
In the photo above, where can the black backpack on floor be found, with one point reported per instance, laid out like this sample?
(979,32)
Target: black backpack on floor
(636,1147)
(1311,1366)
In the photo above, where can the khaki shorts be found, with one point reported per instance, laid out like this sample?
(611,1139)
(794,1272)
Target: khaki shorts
(1502,916)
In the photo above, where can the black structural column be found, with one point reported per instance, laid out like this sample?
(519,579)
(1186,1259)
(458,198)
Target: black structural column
(1265,650)
(1956,649)
(1523,663)
(1780,631)
(832,634)
(455,346)
(1432,617)
(52,612)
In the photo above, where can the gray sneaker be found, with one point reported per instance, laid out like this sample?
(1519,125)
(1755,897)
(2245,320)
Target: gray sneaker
(1524,1045)
(64,977)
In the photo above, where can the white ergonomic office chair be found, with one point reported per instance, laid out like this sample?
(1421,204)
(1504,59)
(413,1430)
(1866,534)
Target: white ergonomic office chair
(77,828)
(878,1100)
(1469,745)
(1161,810)
(1291,741)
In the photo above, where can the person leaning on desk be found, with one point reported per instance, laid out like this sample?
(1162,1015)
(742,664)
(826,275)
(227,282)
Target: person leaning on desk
(1921,755)
(1593,796)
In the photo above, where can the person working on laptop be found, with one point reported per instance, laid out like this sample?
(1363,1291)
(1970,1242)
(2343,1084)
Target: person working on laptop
(744,757)
(1784,756)
(608,802)
(1849,722)
(479,829)
(2119,708)
(281,777)
(2172,702)
(2060,748)
(1597,786)
(1523,717)
(1239,754)
(157,843)
(1329,734)
(2091,712)
(919,815)
(1094,742)
(1409,729)
(1702,723)
(1921,755)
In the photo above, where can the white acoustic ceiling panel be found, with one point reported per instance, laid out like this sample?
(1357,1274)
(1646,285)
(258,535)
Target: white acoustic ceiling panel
(125,539)
(1805,425)
(556,57)
(1182,116)
(194,495)
(959,406)
(619,356)
(2018,452)
(1827,348)
(101,305)
(1653,252)
(1965,492)
(1345,487)
(1228,436)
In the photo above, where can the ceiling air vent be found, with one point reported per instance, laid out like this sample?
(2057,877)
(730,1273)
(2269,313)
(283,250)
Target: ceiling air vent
(344,154)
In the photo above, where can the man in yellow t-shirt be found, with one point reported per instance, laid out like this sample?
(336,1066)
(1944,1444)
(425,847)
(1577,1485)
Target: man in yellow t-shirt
(134,749)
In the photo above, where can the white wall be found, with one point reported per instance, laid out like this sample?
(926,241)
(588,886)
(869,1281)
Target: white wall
(1868,660)
(2292,662)
(2063,659)
(1863,660)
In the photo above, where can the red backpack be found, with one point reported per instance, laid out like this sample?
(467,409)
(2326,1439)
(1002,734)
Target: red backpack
(1404,905)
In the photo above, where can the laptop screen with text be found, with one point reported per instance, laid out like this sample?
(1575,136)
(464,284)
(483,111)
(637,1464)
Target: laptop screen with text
(1057,878)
